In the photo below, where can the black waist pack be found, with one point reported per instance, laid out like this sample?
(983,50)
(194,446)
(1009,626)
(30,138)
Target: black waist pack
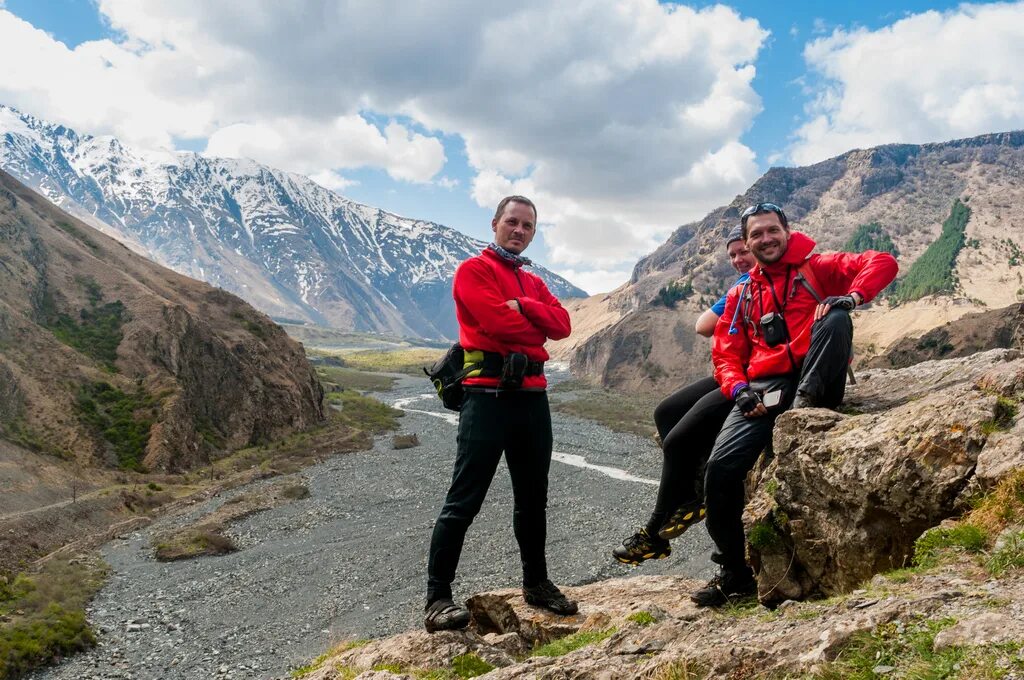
(513,370)
(447,375)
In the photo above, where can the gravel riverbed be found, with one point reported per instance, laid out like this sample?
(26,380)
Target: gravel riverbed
(349,562)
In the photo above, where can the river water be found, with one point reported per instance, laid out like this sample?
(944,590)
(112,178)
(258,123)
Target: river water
(349,561)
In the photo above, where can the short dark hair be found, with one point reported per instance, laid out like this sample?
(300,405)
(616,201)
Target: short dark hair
(514,199)
(762,209)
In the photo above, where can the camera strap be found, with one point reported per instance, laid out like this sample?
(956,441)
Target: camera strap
(782,308)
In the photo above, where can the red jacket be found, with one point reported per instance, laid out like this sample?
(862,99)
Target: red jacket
(482,286)
(742,356)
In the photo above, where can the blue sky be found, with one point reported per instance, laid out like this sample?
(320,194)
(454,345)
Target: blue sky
(633,120)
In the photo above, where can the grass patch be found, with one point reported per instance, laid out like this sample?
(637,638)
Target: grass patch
(571,643)
(319,661)
(616,411)
(97,332)
(641,618)
(1003,417)
(932,272)
(408,361)
(364,413)
(907,649)
(1002,507)
(123,420)
(935,542)
(194,542)
(44,615)
(1009,555)
(337,378)
(681,670)
(256,329)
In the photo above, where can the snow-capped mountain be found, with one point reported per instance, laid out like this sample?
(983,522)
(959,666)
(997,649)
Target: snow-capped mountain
(287,245)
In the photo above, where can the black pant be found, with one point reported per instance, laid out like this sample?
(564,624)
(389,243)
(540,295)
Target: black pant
(688,422)
(822,378)
(518,423)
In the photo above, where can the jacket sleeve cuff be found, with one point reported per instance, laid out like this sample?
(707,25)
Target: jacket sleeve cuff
(738,387)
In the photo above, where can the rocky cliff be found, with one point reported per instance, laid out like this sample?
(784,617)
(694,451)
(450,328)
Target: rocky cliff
(906,190)
(107,358)
(887,539)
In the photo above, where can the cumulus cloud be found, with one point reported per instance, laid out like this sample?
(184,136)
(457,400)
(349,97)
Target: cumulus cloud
(623,117)
(928,77)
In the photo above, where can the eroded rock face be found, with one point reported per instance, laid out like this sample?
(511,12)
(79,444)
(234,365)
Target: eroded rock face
(845,497)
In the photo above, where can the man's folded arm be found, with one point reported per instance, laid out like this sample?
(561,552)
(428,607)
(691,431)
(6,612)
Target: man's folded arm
(866,273)
(546,313)
(476,289)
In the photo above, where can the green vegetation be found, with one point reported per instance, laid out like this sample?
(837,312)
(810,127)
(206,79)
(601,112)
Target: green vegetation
(932,272)
(682,670)
(42,615)
(615,410)
(337,377)
(408,361)
(906,650)
(1002,507)
(934,542)
(1003,418)
(641,618)
(764,536)
(96,334)
(193,542)
(78,235)
(1010,555)
(122,419)
(316,663)
(871,236)
(256,329)
(674,292)
(571,643)
(19,432)
(364,413)
(1016,254)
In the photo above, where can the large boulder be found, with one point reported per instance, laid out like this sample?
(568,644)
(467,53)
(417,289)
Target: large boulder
(846,496)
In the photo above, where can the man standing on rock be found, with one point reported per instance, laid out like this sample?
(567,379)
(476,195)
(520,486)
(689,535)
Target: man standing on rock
(783,341)
(505,316)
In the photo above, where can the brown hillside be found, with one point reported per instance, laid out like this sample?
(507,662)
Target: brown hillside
(111,360)
(907,189)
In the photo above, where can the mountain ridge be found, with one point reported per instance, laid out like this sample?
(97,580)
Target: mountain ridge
(294,249)
(907,189)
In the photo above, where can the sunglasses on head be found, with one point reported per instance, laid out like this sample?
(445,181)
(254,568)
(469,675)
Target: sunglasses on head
(761,208)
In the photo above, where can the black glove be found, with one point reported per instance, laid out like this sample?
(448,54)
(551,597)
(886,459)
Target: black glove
(840,302)
(747,400)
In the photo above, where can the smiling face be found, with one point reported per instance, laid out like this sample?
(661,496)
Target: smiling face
(766,237)
(740,257)
(516,227)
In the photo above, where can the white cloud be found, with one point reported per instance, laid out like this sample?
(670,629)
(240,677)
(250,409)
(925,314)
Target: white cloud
(928,77)
(621,117)
(596,281)
(333,181)
(448,183)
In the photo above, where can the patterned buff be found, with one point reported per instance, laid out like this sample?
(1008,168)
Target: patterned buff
(517,260)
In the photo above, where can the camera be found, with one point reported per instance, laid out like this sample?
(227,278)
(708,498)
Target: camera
(773,328)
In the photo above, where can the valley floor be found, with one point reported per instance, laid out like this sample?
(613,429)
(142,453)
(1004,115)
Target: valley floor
(348,562)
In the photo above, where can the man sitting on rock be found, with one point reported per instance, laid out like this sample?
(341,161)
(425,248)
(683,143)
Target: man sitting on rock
(505,315)
(688,422)
(784,341)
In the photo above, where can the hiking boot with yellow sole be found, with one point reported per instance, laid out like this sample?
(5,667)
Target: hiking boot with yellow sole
(642,546)
(682,519)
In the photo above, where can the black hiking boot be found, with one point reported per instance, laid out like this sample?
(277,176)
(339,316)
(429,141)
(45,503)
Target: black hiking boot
(444,614)
(642,546)
(682,519)
(729,586)
(547,596)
